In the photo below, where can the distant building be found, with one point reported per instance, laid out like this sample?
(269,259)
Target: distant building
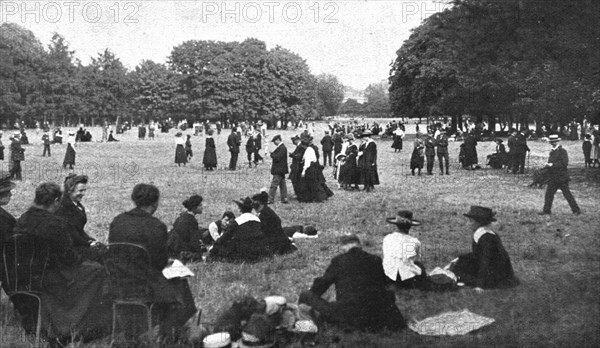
(351,93)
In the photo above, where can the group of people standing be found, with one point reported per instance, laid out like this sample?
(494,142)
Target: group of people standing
(425,146)
(357,165)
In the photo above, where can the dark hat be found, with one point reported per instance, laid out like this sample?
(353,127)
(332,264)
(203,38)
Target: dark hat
(244,203)
(178,134)
(295,137)
(367,133)
(6,184)
(192,202)
(553,138)
(277,137)
(258,332)
(587,136)
(403,218)
(262,198)
(499,140)
(309,230)
(349,239)
(306,137)
(481,214)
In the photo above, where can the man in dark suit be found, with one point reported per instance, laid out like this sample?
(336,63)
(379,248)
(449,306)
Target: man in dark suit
(558,177)
(234,142)
(17,154)
(337,143)
(519,151)
(279,169)
(327,145)
(368,162)
(362,300)
(442,152)
(511,142)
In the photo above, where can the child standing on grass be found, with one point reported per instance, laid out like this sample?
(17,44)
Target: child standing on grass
(587,150)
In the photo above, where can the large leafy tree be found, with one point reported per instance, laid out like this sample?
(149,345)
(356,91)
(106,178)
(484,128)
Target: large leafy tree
(155,90)
(330,93)
(512,61)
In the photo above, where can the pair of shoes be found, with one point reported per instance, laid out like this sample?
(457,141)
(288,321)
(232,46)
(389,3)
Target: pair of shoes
(544,213)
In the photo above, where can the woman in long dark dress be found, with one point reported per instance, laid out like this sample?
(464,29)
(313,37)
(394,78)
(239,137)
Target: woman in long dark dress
(184,239)
(171,297)
(210,152)
(417,159)
(70,153)
(188,148)
(311,185)
(73,212)
(349,171)
(180,155)
(470,152)
(73,303)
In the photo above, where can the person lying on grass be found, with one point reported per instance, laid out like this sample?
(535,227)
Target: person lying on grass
(362,299)
(488,265)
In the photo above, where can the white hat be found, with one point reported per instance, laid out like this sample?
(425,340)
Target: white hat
(217,340)
(306,326)
(553,138)
(273,304)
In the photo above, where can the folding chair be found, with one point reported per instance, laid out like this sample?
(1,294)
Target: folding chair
(127,267)
(24,269)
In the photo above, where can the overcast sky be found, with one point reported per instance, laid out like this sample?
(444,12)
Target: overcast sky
(353,40)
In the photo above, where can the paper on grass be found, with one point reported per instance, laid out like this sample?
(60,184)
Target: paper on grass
(451,324)
(177,270)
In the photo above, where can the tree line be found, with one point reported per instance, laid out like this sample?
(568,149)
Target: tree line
(202,80)
(513,61)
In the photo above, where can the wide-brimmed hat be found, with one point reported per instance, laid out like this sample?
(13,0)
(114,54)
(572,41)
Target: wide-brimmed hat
(306,137)
(178,134)
(403,218)
(481,214)
(310,230)
(16,134)
(217,340)
(553,138)
(244,203)
(295,137)
(262,198)
(6,184)
(340,156)
(276,137)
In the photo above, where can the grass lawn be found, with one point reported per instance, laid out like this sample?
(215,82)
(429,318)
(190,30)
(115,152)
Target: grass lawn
(556,257)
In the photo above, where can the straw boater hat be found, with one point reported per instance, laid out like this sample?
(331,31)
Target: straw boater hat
(481,214)
(403,218)
(553,138)
(6,184)
(217,340)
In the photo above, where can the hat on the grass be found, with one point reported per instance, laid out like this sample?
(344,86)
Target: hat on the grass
(403,218)
(217,340)
(310,230)
(6,184)
(349,239)
(276,137)
(553,138)
(481,214)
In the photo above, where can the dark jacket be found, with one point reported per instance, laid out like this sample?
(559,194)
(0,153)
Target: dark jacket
(243,241)
(233,142)
(560,160)
(280,164)
(76,218)
(296,167)
(327,143)
(429,147)
(442,144)
(17,153)
(185,235)
(370,154)
(487,266)
(520,144)
(7,224)
(276,240)
(337,143)
(361,294)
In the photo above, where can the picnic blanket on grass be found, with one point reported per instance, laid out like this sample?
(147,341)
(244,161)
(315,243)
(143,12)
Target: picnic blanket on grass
(450,324)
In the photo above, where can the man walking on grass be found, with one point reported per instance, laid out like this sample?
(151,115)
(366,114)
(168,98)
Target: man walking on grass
(279,169)
(558,177)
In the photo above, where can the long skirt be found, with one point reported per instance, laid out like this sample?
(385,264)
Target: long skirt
(312,187)
(69,156)
(397,144)
(180,155)
(416,160)
(210,158)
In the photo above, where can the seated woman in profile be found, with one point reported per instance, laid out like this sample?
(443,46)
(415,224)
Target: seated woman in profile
(172,297)
(72,298)
(243,240)
(275,237)
(488,266)
(184,239)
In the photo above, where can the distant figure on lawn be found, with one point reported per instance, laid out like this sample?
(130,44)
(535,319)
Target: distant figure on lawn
(210,152)
(558,177)
(488,266)
(362,300)
(279,168)
(70,153)
(111,138)
(233,142)
(586,146)
(188,148)
(180,155)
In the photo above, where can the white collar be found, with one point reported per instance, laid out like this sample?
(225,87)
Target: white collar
(480,232)
(245,217)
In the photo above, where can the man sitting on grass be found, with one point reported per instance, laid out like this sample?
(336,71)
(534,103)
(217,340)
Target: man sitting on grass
(362,300)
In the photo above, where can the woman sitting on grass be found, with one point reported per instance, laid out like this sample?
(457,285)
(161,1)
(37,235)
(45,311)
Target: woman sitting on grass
(184,239)
(276,239)
(488,265)
(243,240)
